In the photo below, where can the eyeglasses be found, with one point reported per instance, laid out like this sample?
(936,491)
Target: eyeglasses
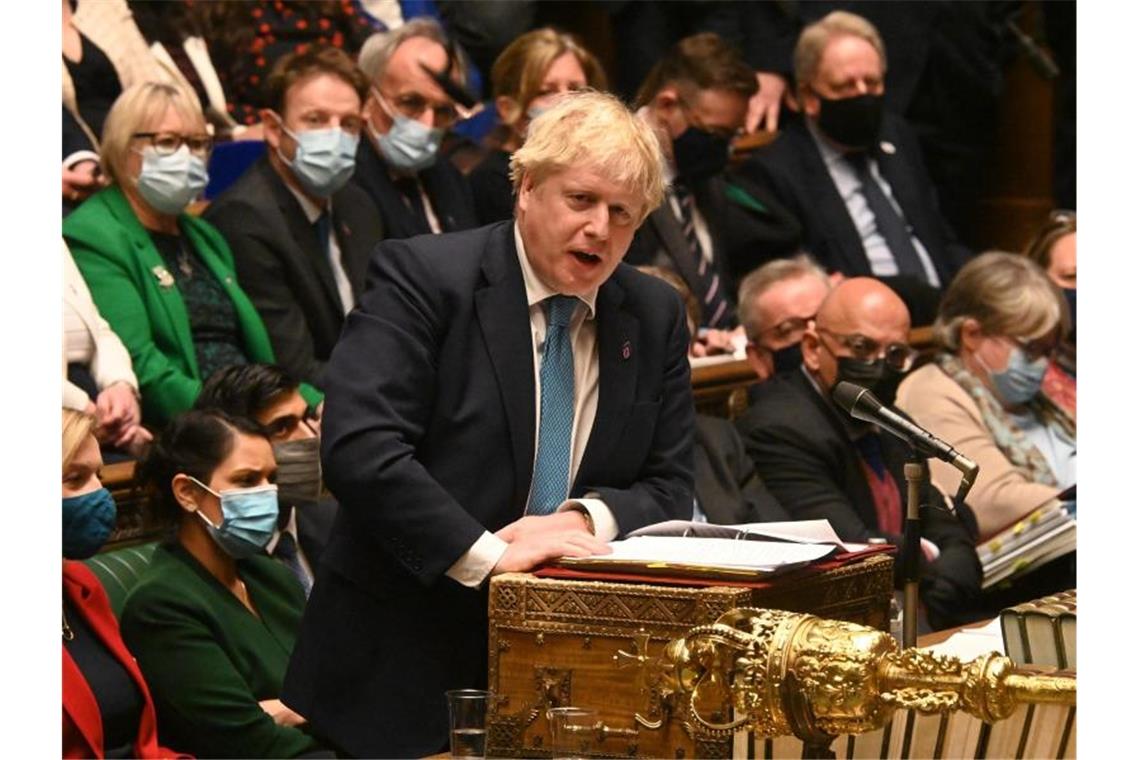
(168,143)
(788,331)
(1035,349)
(413,105)
(898,356)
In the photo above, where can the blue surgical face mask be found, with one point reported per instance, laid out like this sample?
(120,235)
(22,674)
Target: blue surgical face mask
(249,517)
(1021,379)
(88,520)
(169,183)
(409,145)
(324,158)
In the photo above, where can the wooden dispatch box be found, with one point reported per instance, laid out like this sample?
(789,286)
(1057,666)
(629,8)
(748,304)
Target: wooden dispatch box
(559,642)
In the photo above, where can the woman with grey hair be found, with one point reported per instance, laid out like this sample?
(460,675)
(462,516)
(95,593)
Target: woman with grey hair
(998,324)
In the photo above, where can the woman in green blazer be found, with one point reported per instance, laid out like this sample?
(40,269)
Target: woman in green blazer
(213,619)
(163,279)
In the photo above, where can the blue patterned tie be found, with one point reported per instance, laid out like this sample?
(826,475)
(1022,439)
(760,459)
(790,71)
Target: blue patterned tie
(556,420)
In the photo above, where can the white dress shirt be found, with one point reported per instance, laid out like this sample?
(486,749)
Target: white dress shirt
(879,255)
(312,213)
(477,562)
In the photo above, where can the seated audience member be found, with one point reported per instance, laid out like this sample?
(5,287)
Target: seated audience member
(99,379)
(163,279)
(406,114)
(526,77)
(1054,249)
(726,488)
(270,397)
(777,302)
(300,232)
(213,620)
(822,463)
(713,227)
(999,321)
(852,173)
(107,708)
(103,53)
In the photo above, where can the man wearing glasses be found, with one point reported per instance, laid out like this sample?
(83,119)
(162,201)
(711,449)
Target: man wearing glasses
(300,233)
(710,230)
(821,463)
(777,302)
(407,113)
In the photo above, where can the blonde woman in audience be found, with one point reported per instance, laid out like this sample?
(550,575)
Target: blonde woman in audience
(526,78)
(98,377)
(107,708)
(214,597)
(163,279)
(998,324)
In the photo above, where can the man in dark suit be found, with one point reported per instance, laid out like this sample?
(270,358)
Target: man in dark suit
(714,227)
(300,234)
(853,174)
(269,396)
(417,191)
(822,463)
(501,397)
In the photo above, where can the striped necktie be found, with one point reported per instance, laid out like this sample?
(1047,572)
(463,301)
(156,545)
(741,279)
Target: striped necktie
(556,417)
(714,304)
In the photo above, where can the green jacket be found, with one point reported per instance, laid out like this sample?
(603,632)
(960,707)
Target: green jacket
(122,268)
(208,660)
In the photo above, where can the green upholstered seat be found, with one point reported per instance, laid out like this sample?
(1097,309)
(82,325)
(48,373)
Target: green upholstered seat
(119,570)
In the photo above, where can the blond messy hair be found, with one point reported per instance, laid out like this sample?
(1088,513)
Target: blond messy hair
(1006,294)
(76,427)
(593,130)
(138,107)
(814,38)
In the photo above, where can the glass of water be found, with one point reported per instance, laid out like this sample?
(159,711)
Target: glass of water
(467,709)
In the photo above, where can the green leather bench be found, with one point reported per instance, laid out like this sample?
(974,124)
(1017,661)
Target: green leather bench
(119,570)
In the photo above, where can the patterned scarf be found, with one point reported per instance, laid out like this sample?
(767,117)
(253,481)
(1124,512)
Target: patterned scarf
(1008,437)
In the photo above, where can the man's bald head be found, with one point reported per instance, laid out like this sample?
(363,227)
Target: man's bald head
(858,310)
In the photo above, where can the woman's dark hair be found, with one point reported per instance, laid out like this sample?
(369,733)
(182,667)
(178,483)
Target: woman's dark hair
(194,443)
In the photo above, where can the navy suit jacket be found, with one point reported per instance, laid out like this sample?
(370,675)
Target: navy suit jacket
(794,171)
(450,195)
(428,441)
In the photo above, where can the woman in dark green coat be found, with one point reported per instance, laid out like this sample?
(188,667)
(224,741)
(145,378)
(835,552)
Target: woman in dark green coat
(162,278)
(213,620)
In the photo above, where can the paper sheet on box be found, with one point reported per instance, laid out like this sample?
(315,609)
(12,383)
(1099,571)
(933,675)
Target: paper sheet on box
(764,556)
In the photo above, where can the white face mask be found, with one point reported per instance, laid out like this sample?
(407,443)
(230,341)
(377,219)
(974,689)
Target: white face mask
(169,183)
(324,159)
(409,145)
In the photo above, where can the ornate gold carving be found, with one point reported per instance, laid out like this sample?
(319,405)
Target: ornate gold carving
(794,673)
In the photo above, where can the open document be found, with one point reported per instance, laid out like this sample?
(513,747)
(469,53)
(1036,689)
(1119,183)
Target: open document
(703,556)
(797,531)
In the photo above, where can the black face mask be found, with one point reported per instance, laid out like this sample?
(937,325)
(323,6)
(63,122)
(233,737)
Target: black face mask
(852,122)
(787,359)
(878,377)
(699,154)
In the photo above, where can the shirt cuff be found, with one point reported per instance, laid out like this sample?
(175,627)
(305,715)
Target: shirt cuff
(477,562)
(605,525)
(80,156)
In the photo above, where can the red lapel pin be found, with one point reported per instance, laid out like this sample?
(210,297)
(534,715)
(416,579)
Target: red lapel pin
(626,350)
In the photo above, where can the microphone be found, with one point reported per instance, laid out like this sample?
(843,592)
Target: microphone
(861,404)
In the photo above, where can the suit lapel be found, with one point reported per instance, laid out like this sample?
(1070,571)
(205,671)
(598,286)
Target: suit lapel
(372,174)
(673,241)
(504,319)
(156,278)
(618,357)
(829,206)
(303,235)
(893,166)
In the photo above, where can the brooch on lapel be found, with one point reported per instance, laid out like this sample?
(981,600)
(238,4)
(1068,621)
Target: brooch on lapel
(626,350)
(887,147)
(165,279)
